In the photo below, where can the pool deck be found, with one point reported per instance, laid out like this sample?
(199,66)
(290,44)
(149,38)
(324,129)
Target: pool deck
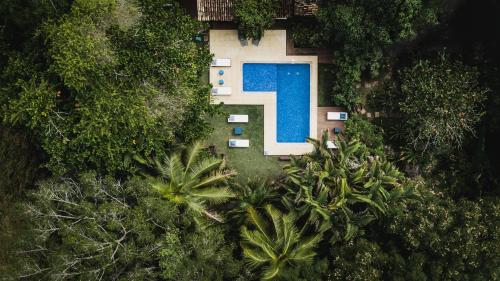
(328,125)
(271,49)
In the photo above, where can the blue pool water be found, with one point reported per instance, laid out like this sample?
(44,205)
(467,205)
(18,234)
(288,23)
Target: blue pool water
(291,82)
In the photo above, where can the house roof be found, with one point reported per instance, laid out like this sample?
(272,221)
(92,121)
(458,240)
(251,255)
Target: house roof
(215,10)
(306,7)
(222,10)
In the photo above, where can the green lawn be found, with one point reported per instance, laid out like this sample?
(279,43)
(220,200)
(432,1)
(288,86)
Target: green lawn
(325,84)
(249,162)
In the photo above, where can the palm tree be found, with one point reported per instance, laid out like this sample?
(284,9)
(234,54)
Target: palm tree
(274,242)
(254,194)
(190,180)
(349,186)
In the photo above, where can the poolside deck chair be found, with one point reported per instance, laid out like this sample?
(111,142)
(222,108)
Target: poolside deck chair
(221,91)
(221,62)
(336,116)
(331,145)
(235,118)
(239,143)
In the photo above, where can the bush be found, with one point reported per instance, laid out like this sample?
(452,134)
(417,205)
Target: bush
(357,127)
(254,16)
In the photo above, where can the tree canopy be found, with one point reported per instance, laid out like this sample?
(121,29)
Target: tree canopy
(98,228)
(442,102)
(106,174)
(113,80)
(362,32)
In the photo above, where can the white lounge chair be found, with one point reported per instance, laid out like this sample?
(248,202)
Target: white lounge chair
(239,143)
(221,91)
(221,62)
(336,116)
(237,118)
(331,145)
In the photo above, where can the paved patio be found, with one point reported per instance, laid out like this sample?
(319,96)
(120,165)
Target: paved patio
(328,125)
(272,48)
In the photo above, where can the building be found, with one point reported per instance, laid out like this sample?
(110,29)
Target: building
(222,10)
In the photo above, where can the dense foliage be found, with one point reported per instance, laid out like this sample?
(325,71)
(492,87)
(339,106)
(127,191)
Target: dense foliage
(254,16)
(359,128)
(106,95)
(432,238)
(362,33)
(348,188)
(441,102)
(99,228)
(112,80)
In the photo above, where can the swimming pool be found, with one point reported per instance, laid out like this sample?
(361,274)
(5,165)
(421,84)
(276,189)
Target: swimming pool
(291,82)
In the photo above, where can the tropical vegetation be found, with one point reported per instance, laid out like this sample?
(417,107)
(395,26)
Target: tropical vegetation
(254,16)
(108,169)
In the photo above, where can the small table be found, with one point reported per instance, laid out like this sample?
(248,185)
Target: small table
(238,131)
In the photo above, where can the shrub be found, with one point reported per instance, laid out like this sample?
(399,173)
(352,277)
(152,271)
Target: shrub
(254,16)
(357,127)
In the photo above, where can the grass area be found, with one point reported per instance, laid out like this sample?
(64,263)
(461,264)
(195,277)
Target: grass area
(325,84)
(249,162)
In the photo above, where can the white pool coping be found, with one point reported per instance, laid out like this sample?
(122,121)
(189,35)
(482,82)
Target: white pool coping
(272,49)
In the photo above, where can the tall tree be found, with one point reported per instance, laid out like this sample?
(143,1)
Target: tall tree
(94,228)
(107,80)
(362,31)
(432,238)
(442,103)
(192,181)
(274,242)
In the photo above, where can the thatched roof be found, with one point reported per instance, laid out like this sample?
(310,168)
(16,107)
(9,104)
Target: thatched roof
(222,10)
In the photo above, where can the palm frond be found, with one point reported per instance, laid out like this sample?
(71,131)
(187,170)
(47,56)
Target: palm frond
(192,155)
(204,167)
(212,180)
(255,258)
(271,272)
(214,194)
(258,221)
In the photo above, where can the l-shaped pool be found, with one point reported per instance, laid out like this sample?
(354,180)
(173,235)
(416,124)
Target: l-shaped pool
(291,82)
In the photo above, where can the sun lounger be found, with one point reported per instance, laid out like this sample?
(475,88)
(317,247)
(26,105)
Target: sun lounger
(239,143)
(221,62)
(221,91)
(237,118)
(336,116)
(331,145)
